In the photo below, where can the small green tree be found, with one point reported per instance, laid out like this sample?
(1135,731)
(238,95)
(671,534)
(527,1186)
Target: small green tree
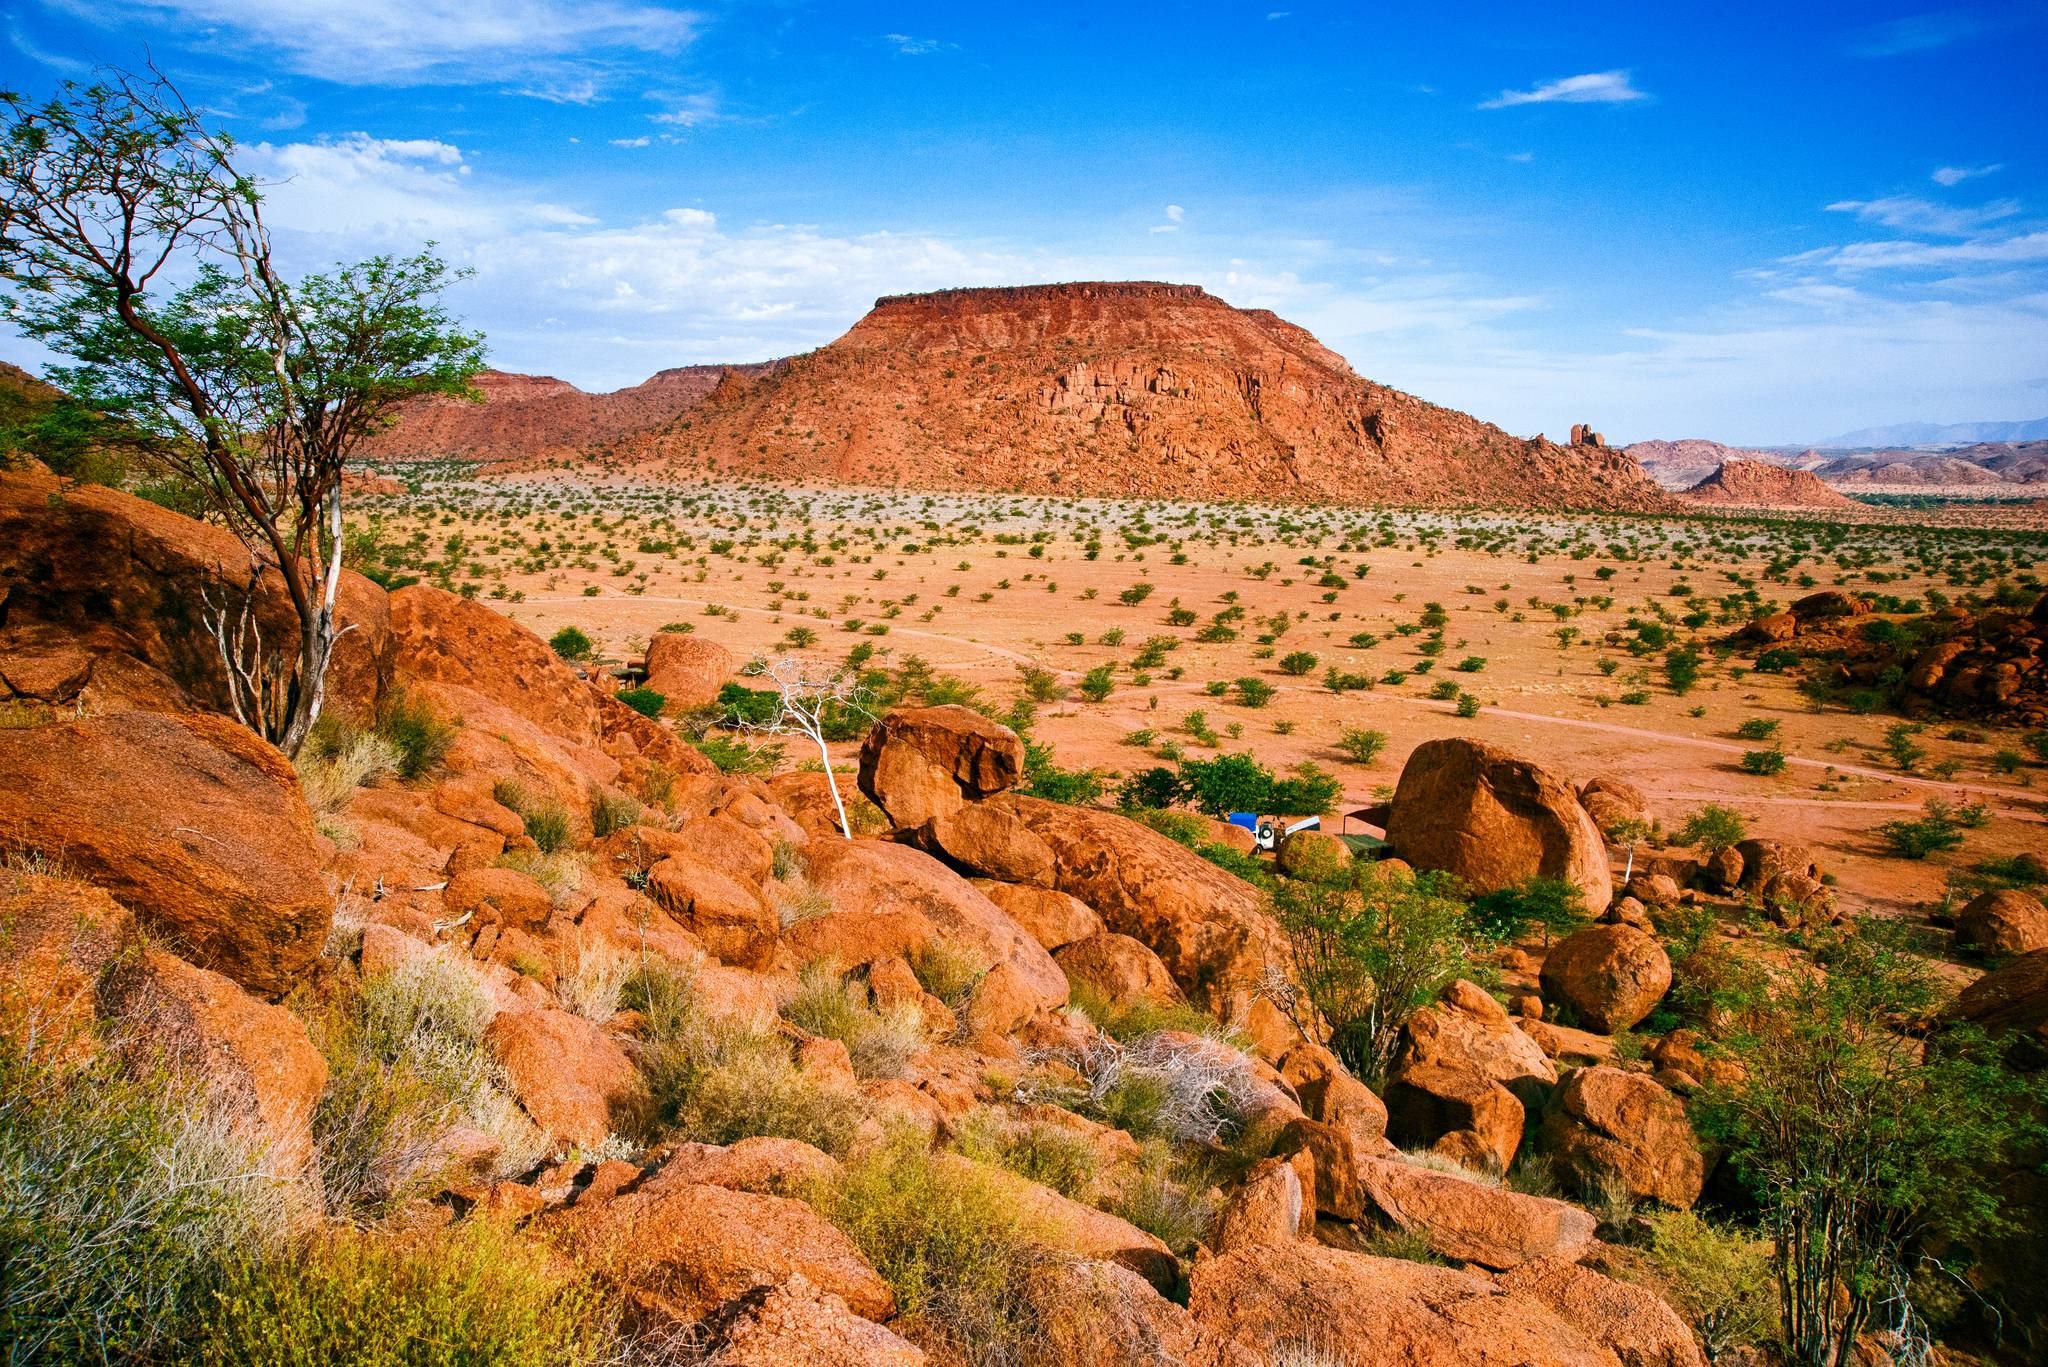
(1371,949)
(1713,828)
(1098,683)
(571,643)
(1298,663)
(1862,1147)
(1253,692)
(1556,905)
(1361,744)
(1227,783)
(251,389)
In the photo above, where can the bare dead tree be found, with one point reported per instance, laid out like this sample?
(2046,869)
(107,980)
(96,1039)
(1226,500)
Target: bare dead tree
(808,694)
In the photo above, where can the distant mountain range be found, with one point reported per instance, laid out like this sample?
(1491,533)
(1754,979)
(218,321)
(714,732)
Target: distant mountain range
(1939,434)
(1985,467)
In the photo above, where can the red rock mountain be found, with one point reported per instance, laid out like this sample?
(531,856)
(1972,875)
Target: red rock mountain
(525,417)
(1754,484)
(1132,388)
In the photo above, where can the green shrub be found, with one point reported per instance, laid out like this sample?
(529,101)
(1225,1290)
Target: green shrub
(1253,692)
(413,728)
(1717,1276)
(1362,745)
(610,812)
(122,1192)
(547,821)
(571,644)
(1713,828)
(1555,905)
(1158,1200)
(1138,1017)
(1298,663)
(1764,763)
(1931,834)
(734,756)
(1757,728)
(880,1043)
(718,1082)
(645,701)
(949,1242)
(1045,1152)
(1098,683)
(471,1294)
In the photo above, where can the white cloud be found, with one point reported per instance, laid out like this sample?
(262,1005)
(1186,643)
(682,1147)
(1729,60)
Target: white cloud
(1175,216)
(1911,214)
(2021,248)
(909,46)
(1914,33)
(631,142)
(1596,87)
(687,111)
(1956,175)
(547,48)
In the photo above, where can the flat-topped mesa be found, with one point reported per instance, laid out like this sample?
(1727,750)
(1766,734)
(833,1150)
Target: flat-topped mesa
(1137,388)
(984,296)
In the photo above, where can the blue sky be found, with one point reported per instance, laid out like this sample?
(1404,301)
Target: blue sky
(1730,221)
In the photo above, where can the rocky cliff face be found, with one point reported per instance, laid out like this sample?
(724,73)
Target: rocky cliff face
(1753,484)
(525,417)
(1132,388)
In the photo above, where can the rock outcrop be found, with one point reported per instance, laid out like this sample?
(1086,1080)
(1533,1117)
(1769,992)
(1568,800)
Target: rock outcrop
(1756,484)
(1495,819)
(1610,976)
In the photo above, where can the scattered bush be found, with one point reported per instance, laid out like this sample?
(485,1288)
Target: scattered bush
(571,644)
(1361,745)
(881,1043)
(1713,828)
(420,735)
(1555,905)
(611,811)
(1298,663)
(1050,1154)
(645,701)
(949,969)
(547,821)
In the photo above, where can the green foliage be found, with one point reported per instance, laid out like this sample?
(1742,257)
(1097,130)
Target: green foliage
(611,811)
(1682,669)
(1362,745)
(1859,1145)
(880,1043)
(1253,692)
(1298,663)
(419,733)
(1098,683)
(1043,778)
(950,1243)
(1139,1016)
(1713,828)
(1717,1276)
(1905,751)
(474,1293)
(1041,1151)
(735,756)
(571,644)
(548,823)
(1227,783)
(645,701)
(1764,763)
(1370,949)
(1934,833)
(1555,905)
(1757,728)
(949,969)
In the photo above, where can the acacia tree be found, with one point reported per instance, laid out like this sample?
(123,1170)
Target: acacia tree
(130,243)
(1864,1146)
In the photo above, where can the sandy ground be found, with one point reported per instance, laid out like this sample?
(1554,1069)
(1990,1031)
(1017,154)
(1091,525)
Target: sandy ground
(894,560)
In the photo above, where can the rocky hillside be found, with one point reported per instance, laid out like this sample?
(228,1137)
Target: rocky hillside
(501,1018)
(1131,388)
(1683,463)
(534,417)
(1754,484)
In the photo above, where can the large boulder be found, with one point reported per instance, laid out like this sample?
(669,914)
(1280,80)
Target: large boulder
(255,1061)
(1305,1302)
(923,762)
(1472,1221)
(191,821)
(567,1074)
(731,917)
(1467,1031)
(1609,1126)
(2003,922)
(2010,1001)
(1051,918)
(105,606)
(1611,976)
(1495,819)
(1334,1097)
(1611,801)
(1466,1117)
(1766,860)
(448,639)
(776,1324)
(1116,968)
(1209,928)
(687,671)
(57,938)
(1630,1321)
(988,839)
(890,900)
(691,1248)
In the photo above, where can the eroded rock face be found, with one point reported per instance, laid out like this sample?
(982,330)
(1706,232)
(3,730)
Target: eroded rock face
(793,1321)
(693,1248)
(988,839)
(1630,1321)
(1377,1312)
(253,1058)
(686,670)
(1208,928)
(104,595)
(454,640)
(567,1073)
(2003,922)
(1495,819)
(1471,1221)
(1051,918)
(1611,976)
(924,762)
(1607,1124)
(190,821)
(1117,968)
(57,937)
